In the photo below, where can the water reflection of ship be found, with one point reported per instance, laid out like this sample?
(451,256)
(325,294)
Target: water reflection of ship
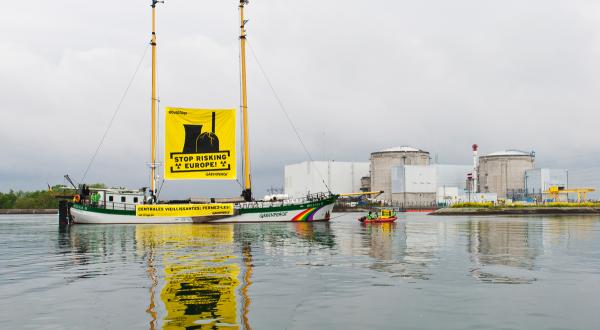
(94,248)
(315,232)
(201,287)
(199,276)
(279,235)
(208,269)
(381,240)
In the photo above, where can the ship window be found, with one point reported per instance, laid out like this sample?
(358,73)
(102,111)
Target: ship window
(135,199)
(122,199)
(110,198)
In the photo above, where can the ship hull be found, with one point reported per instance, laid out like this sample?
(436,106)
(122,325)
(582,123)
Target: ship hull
(318,210)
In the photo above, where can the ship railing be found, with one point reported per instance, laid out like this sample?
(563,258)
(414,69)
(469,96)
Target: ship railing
(113,205)
(283,202)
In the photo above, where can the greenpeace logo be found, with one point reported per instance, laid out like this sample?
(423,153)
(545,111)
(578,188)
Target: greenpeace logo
(272,214)
(177,112)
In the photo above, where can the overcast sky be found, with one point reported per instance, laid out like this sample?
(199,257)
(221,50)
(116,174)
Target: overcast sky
(355,76)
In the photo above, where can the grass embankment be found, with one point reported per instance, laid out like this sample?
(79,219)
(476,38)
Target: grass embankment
(490,205)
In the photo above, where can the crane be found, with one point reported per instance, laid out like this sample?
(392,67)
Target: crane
(555,191)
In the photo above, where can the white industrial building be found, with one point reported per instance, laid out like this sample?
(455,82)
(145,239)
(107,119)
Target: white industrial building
(422,183)
(538,180)
(450,195)
(309,177)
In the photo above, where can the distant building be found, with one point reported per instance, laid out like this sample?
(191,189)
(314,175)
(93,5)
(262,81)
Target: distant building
(383,161)
(451,195)
(365,183)
(421,184)
(538,180)
(503,172)
(310,177)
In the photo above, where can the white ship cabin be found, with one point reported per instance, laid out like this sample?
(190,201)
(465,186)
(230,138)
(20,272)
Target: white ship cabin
(275,197)
(117,199)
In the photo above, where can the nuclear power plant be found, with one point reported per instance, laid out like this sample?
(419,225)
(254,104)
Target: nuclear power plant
(406,176)
(383,161)
(503,172)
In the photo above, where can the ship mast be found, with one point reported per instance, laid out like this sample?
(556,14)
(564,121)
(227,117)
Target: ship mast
(247,192)
(154,101)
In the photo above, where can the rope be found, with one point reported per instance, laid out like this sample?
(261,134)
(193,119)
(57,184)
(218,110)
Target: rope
(160,188)
(287,116)
(114,115)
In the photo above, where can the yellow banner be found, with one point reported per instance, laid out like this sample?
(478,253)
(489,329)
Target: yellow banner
(183,210)
(200,144)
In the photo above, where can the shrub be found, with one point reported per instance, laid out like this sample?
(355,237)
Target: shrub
(473,204)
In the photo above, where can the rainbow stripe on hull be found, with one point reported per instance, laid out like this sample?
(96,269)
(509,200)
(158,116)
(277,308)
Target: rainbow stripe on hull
(308,214)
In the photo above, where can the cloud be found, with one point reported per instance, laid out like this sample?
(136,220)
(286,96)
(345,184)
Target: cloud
(354,78)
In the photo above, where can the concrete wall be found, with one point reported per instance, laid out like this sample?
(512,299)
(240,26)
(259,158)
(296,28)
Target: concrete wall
(541,179)
(428,178)
(382,163)
(413,179)
(308,177)
(499,174)
(413,198)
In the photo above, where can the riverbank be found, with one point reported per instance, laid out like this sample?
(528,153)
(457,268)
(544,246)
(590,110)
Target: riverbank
(516,211)
(28,211)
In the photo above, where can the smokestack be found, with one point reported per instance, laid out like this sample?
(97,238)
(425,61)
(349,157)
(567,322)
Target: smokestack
(475,165)
(213,122)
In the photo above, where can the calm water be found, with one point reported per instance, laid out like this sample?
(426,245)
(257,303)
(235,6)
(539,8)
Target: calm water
(421,272)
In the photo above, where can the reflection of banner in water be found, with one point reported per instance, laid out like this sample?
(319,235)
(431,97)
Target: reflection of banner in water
(200,144)
(199,289)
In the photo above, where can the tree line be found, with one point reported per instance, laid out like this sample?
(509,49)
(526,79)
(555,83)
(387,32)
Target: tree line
(40,199)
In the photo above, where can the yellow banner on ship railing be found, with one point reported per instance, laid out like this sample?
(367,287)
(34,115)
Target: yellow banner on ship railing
(200,144)
(183,210)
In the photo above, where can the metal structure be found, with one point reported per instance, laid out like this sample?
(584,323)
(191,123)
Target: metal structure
(475,165)
(555,192)
(366,193)
(538,180)
(247,192)
(383,161)
(154,103)
(422,183)
(504,171)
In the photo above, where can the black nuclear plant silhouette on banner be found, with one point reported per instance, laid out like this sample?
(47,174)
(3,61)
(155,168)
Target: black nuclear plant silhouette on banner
(197,142)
